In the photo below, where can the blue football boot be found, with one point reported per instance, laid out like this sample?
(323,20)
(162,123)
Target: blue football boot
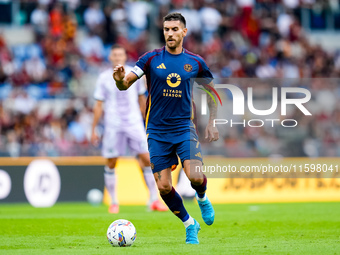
(191,233)
(207,211)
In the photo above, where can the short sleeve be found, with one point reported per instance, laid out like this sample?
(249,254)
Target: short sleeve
(99,92)
(141,66)
(204,75)
(204,71)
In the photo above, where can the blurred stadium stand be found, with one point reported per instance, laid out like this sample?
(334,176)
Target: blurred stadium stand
(52,51)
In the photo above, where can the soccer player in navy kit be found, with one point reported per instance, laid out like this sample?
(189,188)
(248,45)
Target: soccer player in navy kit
(169,127)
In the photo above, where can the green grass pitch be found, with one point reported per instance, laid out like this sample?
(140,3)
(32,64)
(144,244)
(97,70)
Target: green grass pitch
(79,228)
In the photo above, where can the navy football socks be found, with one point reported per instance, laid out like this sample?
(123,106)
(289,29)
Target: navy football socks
(175,203)
(200,189)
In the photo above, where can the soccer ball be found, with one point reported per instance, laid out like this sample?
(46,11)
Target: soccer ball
(121,233)
(95,197)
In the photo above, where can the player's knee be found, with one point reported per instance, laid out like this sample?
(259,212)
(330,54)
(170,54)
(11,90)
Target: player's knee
(164,188)
(196,181)
(111,162)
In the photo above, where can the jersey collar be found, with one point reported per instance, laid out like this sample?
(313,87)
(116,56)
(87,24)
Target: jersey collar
(174,55)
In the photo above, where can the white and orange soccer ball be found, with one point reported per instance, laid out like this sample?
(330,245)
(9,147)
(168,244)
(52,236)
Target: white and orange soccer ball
(121,233)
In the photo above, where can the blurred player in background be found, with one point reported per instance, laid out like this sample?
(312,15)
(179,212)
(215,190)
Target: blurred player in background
(170,129)
(124,128)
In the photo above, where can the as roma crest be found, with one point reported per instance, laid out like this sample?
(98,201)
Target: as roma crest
(188,67)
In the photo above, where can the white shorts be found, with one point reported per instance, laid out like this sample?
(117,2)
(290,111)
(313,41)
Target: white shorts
(117,141)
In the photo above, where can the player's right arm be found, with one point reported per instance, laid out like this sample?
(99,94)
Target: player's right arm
(211,132)
(123,82)
(97,113)
(142,66)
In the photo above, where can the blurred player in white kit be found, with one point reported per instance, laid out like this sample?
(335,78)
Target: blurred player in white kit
(123,123)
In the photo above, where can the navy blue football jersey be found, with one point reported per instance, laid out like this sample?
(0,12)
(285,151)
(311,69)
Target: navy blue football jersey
(169,81)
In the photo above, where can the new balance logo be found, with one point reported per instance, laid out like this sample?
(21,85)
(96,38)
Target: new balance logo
(198,155)
(161,66)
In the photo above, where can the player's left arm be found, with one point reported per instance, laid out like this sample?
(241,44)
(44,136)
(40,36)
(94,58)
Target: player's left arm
(211,131)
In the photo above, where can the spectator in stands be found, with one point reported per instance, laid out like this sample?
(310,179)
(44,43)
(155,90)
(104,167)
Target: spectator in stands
(77,131)
(191,15)
(7,67)
(23,103)
(56,25)
(109,35)
(211,20)
(264,69)
(94,18)
(284,21)
(92,48)
(64,140)
(13,147)
(69,27)
(291,4)
(249,26)
(35,69)
(72,5)
(119,19)
(245,3)
(40,20)
(137,15)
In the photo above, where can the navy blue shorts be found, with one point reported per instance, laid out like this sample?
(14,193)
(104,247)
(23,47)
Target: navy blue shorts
(163,154)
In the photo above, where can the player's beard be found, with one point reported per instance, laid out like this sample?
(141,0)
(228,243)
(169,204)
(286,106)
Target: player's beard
(173,46)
